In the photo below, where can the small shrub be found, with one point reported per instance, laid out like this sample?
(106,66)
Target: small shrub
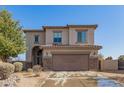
(6,69)
(18,66)
(30,70)
(37,69)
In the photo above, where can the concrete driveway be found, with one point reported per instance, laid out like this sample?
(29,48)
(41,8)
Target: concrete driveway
(68,79)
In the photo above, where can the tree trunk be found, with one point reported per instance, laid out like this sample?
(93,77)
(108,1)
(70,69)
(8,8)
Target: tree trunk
(3,58)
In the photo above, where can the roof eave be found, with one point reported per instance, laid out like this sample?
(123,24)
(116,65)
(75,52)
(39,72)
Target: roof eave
(70,26)
(94,47)
(32,30)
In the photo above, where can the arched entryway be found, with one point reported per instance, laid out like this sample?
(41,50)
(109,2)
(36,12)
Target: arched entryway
(37,56)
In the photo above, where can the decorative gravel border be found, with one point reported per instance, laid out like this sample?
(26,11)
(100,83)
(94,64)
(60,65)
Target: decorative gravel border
(10,82)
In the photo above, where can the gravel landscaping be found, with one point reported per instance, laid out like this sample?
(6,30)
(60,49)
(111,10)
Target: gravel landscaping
(10,82)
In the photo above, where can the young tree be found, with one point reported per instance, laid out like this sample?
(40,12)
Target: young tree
(109,58)
(12,40)
(121,58)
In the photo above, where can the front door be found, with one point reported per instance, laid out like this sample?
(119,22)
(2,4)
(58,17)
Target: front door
(37,56)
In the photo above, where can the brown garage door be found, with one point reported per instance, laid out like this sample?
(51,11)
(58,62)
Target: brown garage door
(70,62)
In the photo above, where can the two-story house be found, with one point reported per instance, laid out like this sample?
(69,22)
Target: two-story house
(69,47)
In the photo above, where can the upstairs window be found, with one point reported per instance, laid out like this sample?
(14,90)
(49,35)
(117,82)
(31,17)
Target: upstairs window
(81,37)
(57,38)
(36,39)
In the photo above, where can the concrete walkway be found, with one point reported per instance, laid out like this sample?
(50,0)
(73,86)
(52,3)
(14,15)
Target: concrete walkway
(29,80)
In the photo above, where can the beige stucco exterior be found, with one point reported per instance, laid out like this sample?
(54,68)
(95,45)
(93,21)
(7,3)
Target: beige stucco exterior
(49,36)
(73,35)
(30,42)
(109,65)
(68,46)
(69,35)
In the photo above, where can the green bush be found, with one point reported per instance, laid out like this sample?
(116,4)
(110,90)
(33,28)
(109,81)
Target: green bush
(121,58)
(37,69)
(6,69)
(18,66)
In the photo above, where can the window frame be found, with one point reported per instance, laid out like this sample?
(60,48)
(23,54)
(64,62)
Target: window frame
(80,40)
(36,39)
(57,37)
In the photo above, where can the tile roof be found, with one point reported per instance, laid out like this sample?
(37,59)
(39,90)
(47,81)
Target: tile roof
(60,27)
(72,46)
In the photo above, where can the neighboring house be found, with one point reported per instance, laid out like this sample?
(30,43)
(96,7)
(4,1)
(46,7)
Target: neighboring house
(68,47)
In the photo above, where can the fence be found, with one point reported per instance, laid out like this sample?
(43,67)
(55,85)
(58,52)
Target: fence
(109,65)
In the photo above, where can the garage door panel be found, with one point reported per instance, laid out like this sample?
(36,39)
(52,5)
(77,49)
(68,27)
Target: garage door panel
(70,62)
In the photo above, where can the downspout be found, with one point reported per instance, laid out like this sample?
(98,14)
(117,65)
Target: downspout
(68,34)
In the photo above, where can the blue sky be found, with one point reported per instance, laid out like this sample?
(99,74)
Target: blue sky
(110,20)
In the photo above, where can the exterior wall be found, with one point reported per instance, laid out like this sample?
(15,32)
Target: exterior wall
(49,36)
(109,65)
(73,36)
(93,64)
(69,36)
(30,43)
(90,37)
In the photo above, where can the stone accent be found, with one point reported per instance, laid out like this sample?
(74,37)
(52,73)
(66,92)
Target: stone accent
(93,64)
(47,63)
